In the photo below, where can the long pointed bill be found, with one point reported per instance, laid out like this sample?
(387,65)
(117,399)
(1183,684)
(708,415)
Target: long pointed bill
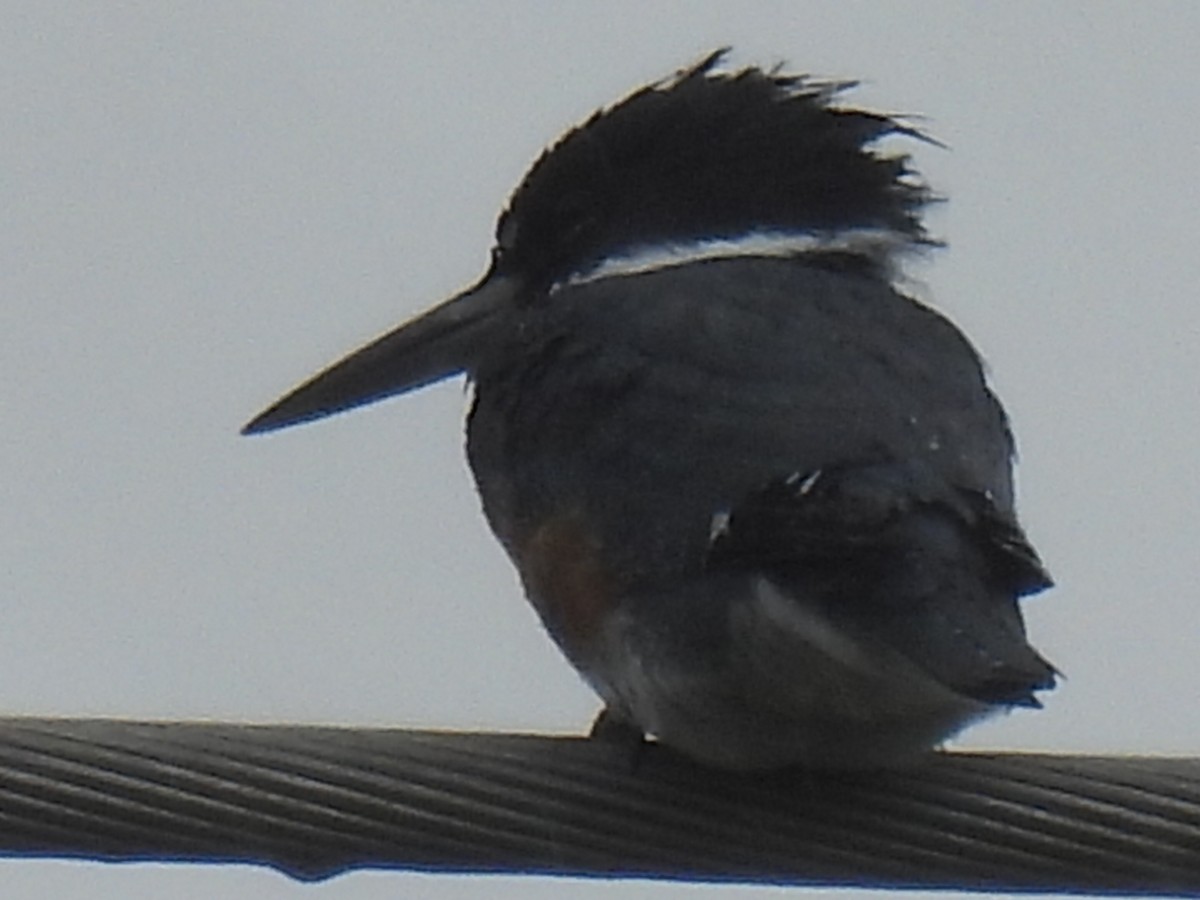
(443,342)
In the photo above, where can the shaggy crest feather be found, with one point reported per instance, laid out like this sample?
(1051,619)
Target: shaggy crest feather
(710,154)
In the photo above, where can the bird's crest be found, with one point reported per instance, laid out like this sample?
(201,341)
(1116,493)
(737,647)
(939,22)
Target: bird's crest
(710,155)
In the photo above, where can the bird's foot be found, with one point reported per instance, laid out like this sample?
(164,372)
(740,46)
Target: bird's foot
(614,730)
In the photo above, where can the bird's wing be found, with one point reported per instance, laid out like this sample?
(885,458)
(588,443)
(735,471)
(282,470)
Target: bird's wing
(881,551)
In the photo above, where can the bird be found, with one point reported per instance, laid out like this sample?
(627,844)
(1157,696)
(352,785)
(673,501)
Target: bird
(759,496)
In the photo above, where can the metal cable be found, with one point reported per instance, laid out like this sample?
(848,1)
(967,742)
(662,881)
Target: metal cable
(314,802)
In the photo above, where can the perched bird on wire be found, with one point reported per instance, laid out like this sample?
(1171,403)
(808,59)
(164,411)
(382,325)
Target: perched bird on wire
(760,498)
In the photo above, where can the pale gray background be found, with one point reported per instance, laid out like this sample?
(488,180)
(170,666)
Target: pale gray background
(202,203)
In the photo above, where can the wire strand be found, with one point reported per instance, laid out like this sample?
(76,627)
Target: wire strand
(314,802)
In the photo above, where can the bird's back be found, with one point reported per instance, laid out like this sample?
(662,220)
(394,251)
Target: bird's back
(651,403)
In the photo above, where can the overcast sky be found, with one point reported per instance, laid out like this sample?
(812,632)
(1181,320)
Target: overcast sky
(202,203)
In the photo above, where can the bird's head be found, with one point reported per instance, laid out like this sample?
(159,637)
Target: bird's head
(712,156)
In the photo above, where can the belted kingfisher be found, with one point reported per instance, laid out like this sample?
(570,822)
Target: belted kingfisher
(760,498)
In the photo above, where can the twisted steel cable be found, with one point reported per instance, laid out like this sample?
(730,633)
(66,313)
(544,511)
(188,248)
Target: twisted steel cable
(314,802)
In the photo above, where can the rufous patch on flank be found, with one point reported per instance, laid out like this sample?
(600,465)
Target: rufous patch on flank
(562,566)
